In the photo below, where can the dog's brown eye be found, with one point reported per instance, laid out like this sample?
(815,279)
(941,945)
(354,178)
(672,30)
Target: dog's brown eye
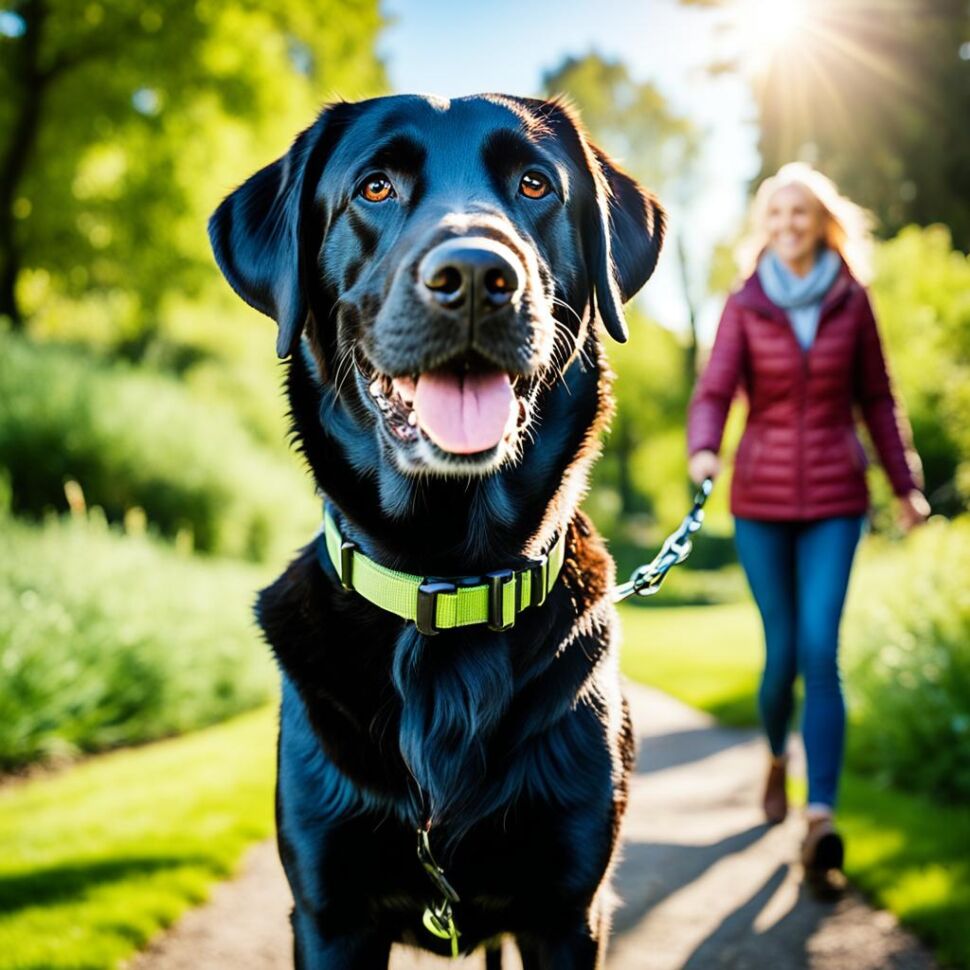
(534,185)
(377,188)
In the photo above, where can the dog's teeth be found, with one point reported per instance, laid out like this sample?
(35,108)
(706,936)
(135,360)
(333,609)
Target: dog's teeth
(375,388)
(405,388)
(413,419)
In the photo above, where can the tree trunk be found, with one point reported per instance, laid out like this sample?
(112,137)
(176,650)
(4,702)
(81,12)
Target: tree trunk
(623,448)
(30,82)
(690,353)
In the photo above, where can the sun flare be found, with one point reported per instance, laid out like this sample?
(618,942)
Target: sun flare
(766,27)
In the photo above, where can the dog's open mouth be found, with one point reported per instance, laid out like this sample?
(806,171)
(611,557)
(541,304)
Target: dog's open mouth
(462,409)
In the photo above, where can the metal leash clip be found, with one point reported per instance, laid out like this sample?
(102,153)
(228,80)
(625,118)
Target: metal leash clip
(439,918)
(440,921)
(647,579)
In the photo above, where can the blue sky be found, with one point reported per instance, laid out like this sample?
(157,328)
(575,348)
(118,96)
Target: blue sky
(455,48)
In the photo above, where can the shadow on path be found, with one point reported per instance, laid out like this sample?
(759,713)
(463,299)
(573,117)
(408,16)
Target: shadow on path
(662,751)
(740,923)
(651,871)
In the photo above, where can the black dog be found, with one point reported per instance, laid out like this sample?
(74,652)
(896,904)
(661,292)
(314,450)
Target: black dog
(436,269)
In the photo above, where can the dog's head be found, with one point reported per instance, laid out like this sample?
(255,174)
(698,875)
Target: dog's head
(444,260)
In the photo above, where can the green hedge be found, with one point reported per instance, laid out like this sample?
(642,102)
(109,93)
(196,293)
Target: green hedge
(107,639)
(907,640)
(133,438)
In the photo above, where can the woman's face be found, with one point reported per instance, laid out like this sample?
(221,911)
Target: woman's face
(796,224)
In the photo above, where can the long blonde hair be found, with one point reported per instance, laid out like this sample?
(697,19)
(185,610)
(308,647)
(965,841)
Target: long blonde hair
(848,227)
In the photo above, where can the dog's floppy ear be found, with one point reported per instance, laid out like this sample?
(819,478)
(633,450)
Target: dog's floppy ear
(636,224)
(631,224)
(257,234)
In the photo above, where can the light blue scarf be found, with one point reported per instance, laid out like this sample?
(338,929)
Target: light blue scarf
(800,296)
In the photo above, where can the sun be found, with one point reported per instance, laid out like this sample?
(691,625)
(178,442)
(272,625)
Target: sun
(764,28)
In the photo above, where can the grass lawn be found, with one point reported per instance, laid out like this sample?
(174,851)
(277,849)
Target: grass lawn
(913,857)
(910,854)
(93,862)
(707,656)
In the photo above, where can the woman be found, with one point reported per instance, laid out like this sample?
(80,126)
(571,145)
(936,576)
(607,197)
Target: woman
(799,336)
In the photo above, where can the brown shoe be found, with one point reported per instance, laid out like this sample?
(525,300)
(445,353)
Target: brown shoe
(823,853)
(775,802)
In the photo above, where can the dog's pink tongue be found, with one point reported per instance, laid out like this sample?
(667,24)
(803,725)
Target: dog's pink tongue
(464,413)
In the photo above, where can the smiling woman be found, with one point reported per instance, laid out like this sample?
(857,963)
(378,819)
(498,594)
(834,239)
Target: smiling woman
(800,337)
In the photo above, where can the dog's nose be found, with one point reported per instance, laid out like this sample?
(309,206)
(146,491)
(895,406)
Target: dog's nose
(474,272)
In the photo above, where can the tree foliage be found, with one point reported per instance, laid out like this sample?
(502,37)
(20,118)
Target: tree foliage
(883,108)
(922,297)
(630,119)
(129,119)
(877,95)
(633,122)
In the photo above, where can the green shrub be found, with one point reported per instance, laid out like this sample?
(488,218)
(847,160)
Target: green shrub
(922,298)
(107,639)
(907,641)
(133,438)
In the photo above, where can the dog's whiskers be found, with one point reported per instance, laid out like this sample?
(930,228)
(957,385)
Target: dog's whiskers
(347,362)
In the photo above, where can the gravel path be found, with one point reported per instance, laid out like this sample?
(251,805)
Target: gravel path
(704,883)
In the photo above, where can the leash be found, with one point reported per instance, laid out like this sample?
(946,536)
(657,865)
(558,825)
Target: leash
(438,919)
(647,579)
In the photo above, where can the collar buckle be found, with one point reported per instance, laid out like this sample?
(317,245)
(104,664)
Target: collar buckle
(539,573)
(347,550)
(427,612)
(498,581)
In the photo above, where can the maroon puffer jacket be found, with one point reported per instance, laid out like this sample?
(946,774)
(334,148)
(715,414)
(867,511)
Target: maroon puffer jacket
(799,457)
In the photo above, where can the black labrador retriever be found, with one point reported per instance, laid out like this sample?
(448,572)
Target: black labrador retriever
(454,748)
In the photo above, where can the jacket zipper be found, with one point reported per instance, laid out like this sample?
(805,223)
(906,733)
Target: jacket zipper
(800,466)
(804,355)
(802,407)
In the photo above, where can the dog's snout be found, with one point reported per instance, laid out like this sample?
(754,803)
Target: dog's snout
(476,274)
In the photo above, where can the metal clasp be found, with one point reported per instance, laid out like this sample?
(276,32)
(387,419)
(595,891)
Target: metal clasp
(435,873)
(539,571)
(497,583)
(426,614)
(347,550)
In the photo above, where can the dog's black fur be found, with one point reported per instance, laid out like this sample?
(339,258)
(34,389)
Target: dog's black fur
(516,746)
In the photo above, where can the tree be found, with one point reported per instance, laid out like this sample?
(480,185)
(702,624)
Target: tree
(632,121)
(129,119)
(876,95)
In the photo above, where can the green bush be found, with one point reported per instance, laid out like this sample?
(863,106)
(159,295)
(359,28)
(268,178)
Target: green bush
(133,438)
(108,639)
(907,641)
(922,298)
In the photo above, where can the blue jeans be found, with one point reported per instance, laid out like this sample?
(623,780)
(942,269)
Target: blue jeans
(799,573)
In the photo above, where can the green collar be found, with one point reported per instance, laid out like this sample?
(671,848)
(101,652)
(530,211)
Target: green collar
(436,604)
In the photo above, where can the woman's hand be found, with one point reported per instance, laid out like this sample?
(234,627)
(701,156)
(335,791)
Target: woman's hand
(914,510)
(704,464)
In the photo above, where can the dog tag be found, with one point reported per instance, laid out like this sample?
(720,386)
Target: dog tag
(440,922)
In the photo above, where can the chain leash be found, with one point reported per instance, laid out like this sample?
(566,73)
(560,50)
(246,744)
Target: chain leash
(647,579)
